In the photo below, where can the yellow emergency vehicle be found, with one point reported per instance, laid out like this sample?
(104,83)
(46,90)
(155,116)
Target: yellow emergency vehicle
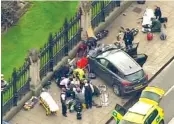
(145,111)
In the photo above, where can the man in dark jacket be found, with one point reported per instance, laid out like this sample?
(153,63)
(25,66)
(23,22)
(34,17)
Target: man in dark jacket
(156,25)
(88,94)
(62,72)
(125,38)
(158,13)
(128,38)
(63,101)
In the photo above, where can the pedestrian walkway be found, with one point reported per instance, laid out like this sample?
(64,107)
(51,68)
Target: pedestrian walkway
(90,116)
(159,53)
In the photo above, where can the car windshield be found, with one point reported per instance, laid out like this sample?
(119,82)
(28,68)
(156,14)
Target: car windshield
(135,76)
(127,122)
(151,96)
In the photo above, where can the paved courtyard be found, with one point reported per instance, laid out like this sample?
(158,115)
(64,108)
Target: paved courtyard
(159,52)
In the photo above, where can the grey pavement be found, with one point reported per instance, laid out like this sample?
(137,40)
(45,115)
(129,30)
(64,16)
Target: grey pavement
(159,53)
(92,116)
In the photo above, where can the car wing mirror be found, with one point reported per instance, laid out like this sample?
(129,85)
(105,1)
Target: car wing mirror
(120,109)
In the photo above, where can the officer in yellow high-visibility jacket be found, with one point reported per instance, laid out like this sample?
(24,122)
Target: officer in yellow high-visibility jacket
(80,73)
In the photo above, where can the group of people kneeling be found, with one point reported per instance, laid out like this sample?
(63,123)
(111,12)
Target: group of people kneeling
(77,89)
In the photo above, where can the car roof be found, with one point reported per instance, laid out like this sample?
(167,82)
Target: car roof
(137,108)
(155,90)
(121,60)
(134,117)
(137,113)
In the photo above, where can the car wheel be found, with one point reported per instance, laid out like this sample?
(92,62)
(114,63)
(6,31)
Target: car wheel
(161,122)
(116,90)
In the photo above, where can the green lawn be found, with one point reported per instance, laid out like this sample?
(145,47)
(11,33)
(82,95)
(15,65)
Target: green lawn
(32,31)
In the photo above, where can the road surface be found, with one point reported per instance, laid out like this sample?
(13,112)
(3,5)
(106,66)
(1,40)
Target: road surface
(165,80)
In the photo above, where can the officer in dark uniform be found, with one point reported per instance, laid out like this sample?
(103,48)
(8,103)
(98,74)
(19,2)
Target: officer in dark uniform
(128,38)
(131,38)
(158,13)
(63,101)
(88,95)
(125,38)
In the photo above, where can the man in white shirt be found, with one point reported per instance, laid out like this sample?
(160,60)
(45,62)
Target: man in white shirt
(75,81)
(4,83)
(64,82)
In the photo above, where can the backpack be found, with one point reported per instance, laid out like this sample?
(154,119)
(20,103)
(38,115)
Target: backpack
(149,36)
(141,1)
(163,19)
(163,36)
(96,91)
(79,116)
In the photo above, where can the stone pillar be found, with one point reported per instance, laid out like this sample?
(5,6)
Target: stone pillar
(35,83)
(86,17)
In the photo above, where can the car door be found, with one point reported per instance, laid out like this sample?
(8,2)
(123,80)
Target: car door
(140,58)
(101,68)
(114,73)
(118,113)
(93,64)
(133,50)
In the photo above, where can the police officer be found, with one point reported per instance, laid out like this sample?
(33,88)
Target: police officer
(128,38)
(158,13)
(63,101)
(87,90)
(131,38)
(125,38)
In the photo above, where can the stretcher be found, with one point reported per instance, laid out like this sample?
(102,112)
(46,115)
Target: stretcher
(148,15)
(48,103)
(90,33)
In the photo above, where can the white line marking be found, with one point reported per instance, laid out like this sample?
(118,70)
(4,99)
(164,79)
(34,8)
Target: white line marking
(171,121)
(169,90)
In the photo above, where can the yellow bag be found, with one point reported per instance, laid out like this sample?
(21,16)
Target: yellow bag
(84,106)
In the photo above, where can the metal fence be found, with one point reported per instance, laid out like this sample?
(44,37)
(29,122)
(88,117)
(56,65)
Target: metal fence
(59,45)
(53,51)
(101,9)
(17,87)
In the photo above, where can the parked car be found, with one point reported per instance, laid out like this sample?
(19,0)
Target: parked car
(5,122)
(119,70)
